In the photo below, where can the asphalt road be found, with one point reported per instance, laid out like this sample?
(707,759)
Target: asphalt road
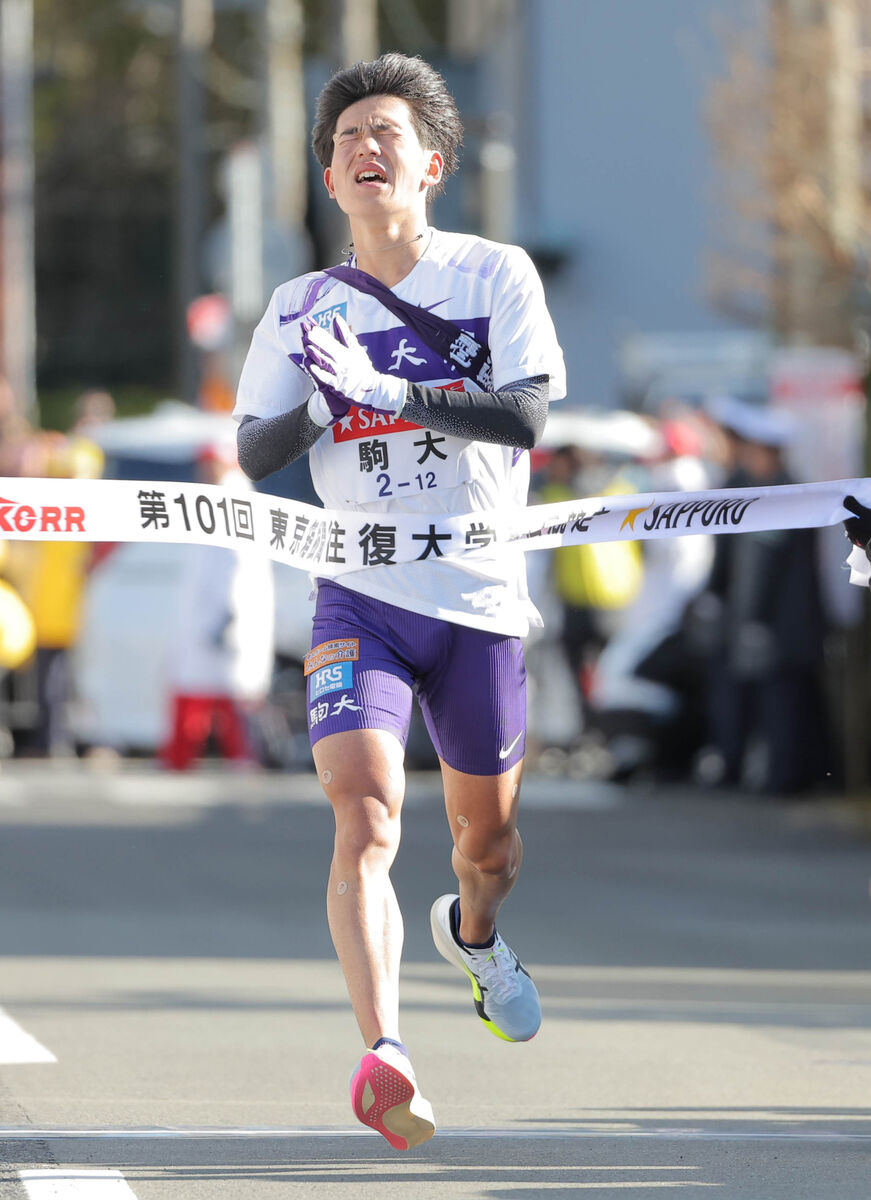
(174,1024)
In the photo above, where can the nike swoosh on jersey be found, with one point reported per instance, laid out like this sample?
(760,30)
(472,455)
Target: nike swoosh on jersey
(505,751)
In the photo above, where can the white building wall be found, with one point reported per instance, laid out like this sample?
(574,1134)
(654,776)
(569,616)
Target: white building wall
(614,166)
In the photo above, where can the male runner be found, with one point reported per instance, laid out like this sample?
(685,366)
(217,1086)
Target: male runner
(392,424)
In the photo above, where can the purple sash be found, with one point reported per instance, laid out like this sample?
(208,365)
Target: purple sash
(455,345)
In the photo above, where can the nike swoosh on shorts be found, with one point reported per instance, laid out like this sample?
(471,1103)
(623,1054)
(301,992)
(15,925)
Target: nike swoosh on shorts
(505,751)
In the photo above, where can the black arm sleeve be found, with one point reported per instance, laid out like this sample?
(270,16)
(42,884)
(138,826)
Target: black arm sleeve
(267,444)
(513,416)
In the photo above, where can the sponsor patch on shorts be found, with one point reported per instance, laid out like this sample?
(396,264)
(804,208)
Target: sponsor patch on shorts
(338,677)
(342,650)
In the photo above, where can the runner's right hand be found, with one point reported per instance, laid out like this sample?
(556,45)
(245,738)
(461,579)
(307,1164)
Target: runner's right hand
(325,405)
(340,369)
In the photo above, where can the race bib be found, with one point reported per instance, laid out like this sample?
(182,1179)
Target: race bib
(369,456)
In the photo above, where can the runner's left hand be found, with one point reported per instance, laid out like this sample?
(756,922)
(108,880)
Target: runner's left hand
(339,367)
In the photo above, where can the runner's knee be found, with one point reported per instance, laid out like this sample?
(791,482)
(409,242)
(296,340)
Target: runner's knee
(492,852)
(366,827)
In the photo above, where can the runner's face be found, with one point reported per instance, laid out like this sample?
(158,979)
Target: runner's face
(379,167)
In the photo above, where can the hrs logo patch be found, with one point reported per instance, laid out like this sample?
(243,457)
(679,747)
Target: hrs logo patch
(338,677)
(325,317)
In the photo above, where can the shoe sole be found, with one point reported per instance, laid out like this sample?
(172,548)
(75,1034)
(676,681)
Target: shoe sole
(387,1102)
(444,943)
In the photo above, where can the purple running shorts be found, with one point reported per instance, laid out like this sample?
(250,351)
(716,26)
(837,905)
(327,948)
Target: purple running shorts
(368,658)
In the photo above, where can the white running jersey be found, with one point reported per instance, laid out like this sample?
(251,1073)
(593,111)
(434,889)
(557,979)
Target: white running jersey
(374,463)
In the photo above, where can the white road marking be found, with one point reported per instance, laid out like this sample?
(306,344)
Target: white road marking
(16,1046)
(30,1133)
(59,1183)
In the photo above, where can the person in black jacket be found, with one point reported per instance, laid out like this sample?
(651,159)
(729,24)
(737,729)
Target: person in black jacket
(765,676)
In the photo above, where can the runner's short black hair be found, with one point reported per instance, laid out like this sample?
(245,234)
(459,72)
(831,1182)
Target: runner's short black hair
(434,114)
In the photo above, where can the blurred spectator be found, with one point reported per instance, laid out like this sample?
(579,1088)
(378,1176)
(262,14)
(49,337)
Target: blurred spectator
(645,688)
(726,414)
(593,582)
(16,434)
(92,409)
(17,645)
(51,579)
(765,629)
(17,628)
(222,653)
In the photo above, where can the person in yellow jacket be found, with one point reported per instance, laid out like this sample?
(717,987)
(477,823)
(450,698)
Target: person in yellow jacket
(51,579)
(17,627)
(592,582)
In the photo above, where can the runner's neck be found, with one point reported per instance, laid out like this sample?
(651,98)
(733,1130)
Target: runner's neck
(390,254)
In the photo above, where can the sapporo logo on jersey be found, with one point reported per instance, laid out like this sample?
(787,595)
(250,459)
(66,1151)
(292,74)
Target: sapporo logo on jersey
(47,518)
(364,422)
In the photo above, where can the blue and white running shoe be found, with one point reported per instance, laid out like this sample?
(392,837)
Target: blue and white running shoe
(505,997)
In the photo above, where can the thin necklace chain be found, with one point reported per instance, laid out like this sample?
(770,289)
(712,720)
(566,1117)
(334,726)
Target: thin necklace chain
(349,249)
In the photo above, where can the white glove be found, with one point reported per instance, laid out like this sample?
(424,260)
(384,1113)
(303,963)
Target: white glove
(340,369)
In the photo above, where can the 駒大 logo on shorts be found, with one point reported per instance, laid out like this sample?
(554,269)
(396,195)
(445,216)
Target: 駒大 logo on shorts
(46,518)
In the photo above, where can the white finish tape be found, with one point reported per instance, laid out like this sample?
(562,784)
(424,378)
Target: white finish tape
(331,542)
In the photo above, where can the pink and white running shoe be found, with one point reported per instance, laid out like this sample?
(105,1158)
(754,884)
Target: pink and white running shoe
(385,1096)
